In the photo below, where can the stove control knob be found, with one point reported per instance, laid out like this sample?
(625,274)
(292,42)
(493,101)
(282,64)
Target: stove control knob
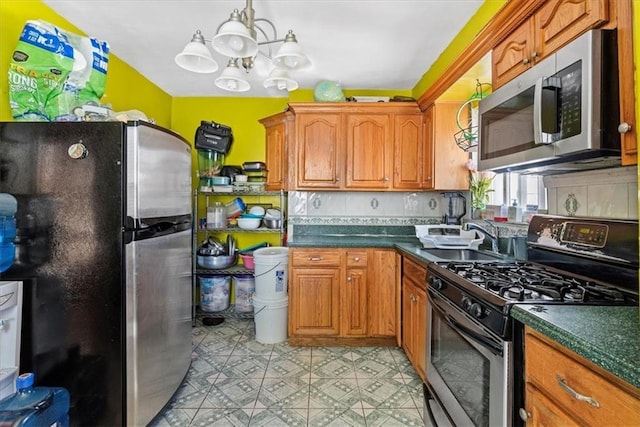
(476,310)
(466,304)
(436,283)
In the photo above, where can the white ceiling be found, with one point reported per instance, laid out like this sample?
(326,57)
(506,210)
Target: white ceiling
(363,44)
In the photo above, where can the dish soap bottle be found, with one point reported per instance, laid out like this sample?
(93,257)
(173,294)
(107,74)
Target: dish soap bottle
(515,212)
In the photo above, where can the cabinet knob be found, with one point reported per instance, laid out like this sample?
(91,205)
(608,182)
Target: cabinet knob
(534,55)
(524,415)
(624,127)
(385,179)
(357,259)
(349,279)
(525,61)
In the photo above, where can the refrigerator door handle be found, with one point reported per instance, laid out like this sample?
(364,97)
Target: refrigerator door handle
(147,228)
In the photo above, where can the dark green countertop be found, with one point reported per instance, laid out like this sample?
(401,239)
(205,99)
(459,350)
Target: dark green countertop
(607,336)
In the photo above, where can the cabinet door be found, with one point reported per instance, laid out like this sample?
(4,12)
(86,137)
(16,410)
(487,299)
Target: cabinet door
(444,162)
(408,146)
(560,21)
(408,325)
(626,69)
(277,164)
(420,332)
(369,151)
(320,151)
(384,293)
(541,411)
(513,55)
(354,303)
(428,155)
(314,301)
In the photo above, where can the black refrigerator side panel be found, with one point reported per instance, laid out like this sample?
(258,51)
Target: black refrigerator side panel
(69,252)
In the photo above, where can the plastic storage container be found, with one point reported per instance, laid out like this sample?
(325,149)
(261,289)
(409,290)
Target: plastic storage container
(35,406)
(209,163)
(216,216)
(214,293)
(8,209)
(245,286)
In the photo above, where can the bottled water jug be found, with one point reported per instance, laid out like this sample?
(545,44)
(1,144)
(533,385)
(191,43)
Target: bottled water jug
(8,209)
(35,406)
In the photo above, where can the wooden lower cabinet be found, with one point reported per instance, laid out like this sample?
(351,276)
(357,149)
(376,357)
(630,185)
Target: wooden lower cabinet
(340,296)
(414,314)
(563,388)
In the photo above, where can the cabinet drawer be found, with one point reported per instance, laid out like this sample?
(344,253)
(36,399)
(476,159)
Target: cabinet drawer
(315,258)
(357,258)
(546,367)
(413,270)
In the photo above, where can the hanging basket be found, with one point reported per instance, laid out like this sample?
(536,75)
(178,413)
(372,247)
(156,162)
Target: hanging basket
(467,137)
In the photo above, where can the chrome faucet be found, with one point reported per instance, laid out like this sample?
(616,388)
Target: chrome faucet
(494,239)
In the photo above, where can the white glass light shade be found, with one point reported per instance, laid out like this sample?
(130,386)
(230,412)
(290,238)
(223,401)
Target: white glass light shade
(197,58)
(234,40)
(232,79)
(290,54)
(280,79)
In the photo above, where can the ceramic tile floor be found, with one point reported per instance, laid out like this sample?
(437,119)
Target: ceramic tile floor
(236,381)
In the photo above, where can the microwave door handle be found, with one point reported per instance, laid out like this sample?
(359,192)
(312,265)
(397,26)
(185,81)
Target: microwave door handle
(537,112)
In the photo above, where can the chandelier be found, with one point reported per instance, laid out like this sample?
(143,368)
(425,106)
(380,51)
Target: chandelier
(237,39)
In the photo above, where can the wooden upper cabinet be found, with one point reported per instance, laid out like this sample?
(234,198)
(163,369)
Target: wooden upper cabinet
(622,9)
(444,163)
(319,145)
(408,149)
(357,146)
(369,151)
(278,129)
(553,25)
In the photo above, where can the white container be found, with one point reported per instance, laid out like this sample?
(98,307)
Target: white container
(214,293)
(245,286)
(270,317)
(271,272)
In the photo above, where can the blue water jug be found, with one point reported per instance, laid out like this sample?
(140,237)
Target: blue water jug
(35,406)
(8,209)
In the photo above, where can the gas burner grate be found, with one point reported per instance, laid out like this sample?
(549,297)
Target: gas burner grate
(527,282)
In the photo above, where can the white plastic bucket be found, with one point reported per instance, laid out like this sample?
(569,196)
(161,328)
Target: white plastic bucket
(244,285)
(270,317)
(214,293)
(271,272)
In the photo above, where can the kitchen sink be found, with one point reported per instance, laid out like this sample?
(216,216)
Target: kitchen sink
(463,255)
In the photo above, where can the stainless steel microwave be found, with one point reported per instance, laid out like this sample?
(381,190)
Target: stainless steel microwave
(559,116)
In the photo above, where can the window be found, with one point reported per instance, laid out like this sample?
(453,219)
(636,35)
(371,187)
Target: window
(527,190)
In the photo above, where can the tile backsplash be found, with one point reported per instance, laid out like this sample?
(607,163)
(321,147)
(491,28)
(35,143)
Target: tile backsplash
(604,193)
(366,208)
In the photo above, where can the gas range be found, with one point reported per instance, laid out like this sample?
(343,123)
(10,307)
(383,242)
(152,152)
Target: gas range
(570,261)
(474,349)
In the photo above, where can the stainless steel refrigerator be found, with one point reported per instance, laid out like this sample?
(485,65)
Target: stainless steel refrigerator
(103,247)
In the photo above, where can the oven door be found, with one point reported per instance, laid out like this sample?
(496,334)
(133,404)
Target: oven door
(469,372)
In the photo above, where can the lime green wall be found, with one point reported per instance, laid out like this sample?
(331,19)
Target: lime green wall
(126,88)
(484,14)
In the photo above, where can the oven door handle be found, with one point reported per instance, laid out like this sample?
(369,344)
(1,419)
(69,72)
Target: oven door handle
(495,349)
